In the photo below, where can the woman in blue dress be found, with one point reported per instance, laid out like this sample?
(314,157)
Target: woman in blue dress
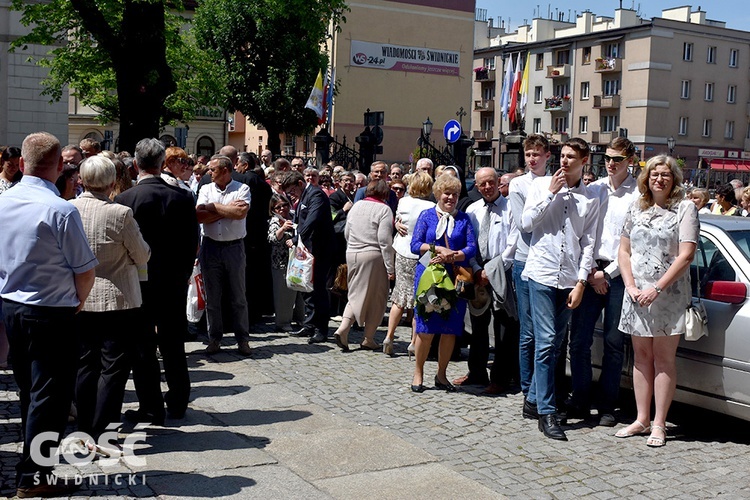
(434,225)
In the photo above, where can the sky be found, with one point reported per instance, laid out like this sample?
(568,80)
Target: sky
(729,11)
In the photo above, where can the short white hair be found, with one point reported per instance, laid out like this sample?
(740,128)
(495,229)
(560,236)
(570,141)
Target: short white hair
(97,173)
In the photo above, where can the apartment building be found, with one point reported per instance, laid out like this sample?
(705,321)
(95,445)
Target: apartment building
(679,76)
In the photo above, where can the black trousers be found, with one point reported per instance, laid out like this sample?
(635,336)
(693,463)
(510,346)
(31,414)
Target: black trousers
(506,331)
(44,349)
(163,312)
(317,305)
(103,367)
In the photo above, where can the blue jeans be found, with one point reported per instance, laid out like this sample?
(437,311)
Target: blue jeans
(550,316)
(581,338)
(526,334)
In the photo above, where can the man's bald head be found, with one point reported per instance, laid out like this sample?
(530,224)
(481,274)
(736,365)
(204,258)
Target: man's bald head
(230,152)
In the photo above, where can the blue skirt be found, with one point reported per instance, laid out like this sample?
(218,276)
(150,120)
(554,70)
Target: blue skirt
(435,323)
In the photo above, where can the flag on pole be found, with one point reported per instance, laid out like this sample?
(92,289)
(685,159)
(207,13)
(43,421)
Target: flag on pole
(514,92)
(328,99)
(315,101)
(525,87)
(507,85)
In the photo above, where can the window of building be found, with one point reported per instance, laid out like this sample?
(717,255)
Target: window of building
(611,87)
(734,55)
(732,94)
(561,124)
(683,130)
(562,89)
(488,92)
(537,125)
(205,146)
(687,51)
(729,130)
(583,125)
(706,132)
(539,62)
(711,55)
(562,57)
(487,122)
(585,90)
(685,89)
(586,55)
(610,123)
(708,94)
(538,94)
(611,50)
(489,62)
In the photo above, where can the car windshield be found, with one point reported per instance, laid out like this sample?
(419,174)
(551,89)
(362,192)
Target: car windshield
(742,239)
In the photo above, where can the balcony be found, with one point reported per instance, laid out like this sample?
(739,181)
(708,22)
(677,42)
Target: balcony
(484,75)
(559,71)
(482,135)
(484,105)
(559,137)
(602,137)
(557,103)
(608,65)
(606,101)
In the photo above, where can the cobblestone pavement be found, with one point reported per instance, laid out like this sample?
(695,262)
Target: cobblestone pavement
(366,395)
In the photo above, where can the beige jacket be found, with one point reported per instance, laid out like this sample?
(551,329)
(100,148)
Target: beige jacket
(117,242)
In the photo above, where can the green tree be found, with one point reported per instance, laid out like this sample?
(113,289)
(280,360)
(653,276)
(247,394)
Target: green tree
(121,57)
(268,53)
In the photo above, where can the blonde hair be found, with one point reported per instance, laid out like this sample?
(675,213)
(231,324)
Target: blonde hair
(446,183)
(678,192)
(419,185)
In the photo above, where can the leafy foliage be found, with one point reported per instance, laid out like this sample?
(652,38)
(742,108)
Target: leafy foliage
(269,54)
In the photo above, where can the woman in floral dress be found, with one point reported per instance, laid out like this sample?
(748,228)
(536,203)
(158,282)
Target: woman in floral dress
(286,302)
(656,248)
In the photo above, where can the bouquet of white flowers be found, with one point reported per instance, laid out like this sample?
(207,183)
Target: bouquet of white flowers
(435,292)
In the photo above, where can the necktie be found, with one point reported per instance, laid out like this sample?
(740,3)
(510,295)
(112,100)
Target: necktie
(484,232)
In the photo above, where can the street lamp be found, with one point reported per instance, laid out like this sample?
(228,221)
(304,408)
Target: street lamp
(424,136)
(427,127)
(671,144)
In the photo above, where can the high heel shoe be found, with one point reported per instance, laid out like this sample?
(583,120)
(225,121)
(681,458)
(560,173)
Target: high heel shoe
(447,386)
(410,350)
(388,347)
(341,341)
(417,388)
(369,345)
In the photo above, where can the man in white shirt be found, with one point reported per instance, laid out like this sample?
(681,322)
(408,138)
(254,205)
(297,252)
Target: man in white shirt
(492,225)
(616,193)
(536,156)
(222,208)
(562,216)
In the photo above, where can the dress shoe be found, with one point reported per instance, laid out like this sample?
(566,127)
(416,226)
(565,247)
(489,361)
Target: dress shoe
(549,426)
(370,345)
(213,347)
(145,417)
(469,380)
(341,340)
(494,389)
(303,332)
(417,388)
(318,338)
(529,410)
(244,348)
(47,490)
(447,386)
(607,420)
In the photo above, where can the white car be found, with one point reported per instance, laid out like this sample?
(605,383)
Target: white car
(714,371)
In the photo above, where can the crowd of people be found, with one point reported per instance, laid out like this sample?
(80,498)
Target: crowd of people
(547,248)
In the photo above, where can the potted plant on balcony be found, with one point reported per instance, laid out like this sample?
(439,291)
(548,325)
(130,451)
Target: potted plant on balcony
(482,72)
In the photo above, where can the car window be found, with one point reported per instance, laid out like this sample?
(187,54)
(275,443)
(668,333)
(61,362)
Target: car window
(742,239)
(709,264)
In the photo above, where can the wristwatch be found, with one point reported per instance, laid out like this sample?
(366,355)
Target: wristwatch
(582,282)
(607,277)
(657,288)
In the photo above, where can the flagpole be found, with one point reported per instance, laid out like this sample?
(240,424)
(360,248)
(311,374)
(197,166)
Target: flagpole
(331,71)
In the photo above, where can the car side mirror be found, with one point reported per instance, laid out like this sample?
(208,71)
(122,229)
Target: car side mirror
(730,292)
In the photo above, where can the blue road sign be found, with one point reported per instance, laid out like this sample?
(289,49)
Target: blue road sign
(452,131)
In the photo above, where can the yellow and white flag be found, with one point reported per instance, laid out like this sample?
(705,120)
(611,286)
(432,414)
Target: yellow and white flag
(315,101)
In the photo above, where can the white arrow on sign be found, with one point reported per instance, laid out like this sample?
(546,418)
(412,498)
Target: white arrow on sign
(454,130)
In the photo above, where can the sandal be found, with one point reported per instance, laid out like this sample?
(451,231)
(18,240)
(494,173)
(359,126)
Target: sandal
(624,433)
(656,441)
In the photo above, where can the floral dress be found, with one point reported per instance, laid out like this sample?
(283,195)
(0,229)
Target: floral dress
(655,235)
(462,238)
(279,250)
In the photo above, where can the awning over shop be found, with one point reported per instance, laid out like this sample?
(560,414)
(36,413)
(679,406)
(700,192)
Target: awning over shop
(731,165)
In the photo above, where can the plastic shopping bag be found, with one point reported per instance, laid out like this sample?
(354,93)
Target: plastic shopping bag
(299,271)
(196,298)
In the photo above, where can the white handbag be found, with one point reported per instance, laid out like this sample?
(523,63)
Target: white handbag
(696,321)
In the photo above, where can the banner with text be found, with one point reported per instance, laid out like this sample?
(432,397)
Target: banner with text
(400,58)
